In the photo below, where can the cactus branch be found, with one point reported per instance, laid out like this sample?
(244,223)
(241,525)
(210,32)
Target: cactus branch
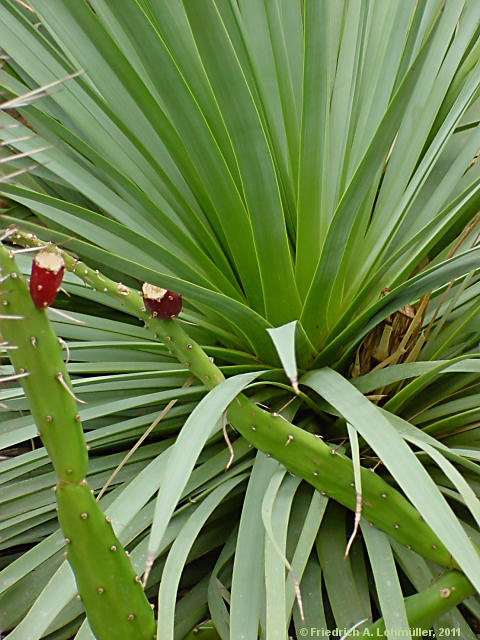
(427,606)
(306,455)
(114,601)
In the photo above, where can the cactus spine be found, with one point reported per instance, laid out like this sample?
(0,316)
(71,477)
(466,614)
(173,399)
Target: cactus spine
(114,601)
(299,451)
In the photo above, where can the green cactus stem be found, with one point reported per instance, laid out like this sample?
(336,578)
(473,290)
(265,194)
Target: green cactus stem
(38,355)
(113,597)
(302,453)
(427,606)
(112,594)
(307,456)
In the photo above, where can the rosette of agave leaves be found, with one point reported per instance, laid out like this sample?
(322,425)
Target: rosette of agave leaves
(303,173)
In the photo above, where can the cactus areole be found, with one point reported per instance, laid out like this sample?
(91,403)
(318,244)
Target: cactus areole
(47,273)
(161,303)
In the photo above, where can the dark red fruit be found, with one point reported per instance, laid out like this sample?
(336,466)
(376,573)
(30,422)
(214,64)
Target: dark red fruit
(47,273)
(161,302)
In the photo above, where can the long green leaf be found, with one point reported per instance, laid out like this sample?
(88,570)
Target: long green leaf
(387,581)
(178,555)
(248,568)
(254,159)
(202,423)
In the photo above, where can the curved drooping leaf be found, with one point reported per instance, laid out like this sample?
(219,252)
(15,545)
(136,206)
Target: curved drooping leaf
(400,461)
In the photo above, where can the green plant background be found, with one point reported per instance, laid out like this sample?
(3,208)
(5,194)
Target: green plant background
(273,162)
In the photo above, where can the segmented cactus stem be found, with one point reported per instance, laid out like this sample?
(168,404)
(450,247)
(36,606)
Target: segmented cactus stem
(425,607)
(302,453)
(112,595)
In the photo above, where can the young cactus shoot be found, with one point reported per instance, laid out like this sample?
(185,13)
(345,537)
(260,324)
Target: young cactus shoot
(161,303)
(47,272)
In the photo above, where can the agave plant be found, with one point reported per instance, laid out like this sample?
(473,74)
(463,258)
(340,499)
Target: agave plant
(295,454)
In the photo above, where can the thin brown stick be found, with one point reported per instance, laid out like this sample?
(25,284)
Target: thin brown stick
(25,5)
(39,92)
(161,415)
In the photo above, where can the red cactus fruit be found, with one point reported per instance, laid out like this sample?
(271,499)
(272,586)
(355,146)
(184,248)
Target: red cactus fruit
(47,273)
(161,302)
